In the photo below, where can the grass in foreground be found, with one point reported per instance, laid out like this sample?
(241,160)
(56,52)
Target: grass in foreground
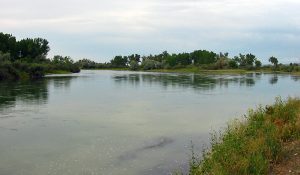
(254,145)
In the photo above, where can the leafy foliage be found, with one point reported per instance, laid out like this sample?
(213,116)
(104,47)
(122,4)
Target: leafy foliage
(274,61)
(27,59)
(26,48)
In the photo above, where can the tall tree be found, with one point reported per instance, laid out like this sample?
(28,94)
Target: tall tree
(119,61)
(8,44)
(203,57)
(274,61)
(31,48)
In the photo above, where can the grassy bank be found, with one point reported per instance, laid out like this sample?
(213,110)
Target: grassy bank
(253,145)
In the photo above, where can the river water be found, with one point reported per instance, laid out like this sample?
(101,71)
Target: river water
(114,122)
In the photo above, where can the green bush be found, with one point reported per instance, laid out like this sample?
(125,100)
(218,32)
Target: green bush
(36,71)
(133,65)
(8,72)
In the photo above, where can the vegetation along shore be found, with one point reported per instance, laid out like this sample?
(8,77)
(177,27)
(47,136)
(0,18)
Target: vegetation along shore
(266,141)
(27,59)
(198,61)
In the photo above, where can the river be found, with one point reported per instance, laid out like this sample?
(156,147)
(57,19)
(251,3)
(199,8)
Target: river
(119,122)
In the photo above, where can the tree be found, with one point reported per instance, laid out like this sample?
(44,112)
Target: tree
(233,64)
(26,48)
(119,61)
(221,63)
(171,60)
(241,59)
(134,57)
(274,61)
(250,59)
(203,57)
(8,44)
(257,64)
(86,64)
(183,59)
(149,64)
(57,59)
(133,65)
(32,48)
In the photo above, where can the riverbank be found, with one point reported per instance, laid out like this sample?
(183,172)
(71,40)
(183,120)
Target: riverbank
(27,71)
(202,71)
(205,71)
(265,141)
(220,71)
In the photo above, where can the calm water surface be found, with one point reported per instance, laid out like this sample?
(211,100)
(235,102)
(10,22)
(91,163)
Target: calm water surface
(111,122)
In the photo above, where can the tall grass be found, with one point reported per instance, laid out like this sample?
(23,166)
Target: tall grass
(252,145)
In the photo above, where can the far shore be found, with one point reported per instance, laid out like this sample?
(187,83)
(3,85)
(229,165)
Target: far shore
(203,71)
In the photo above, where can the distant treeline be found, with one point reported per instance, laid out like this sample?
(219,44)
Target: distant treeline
(26,59)
(203,59)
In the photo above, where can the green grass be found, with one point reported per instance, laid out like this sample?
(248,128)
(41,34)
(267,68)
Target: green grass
(254,144)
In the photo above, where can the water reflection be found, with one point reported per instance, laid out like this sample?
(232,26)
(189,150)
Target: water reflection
(30,92)
(194,81)
(295,78)
(108,122)
(63,82)
(273,79)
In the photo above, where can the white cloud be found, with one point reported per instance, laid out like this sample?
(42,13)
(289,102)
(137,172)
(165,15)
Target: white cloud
(120,26)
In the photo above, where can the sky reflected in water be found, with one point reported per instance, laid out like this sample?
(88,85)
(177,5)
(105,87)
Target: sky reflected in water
(114,122)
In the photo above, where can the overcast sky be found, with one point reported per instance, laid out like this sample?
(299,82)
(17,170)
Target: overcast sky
(101,29)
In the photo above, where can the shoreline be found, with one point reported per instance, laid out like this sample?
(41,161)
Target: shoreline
(265,141)
(202,71)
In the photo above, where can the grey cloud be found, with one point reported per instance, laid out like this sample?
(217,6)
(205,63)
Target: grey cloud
(108,28)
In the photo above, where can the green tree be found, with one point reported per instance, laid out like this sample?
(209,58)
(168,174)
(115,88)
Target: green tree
(31,48)
(233,64)
(134,57)
(87,64)
(250,59)
(203,57)
(171,60)
(149,64)
(133,65)
(257,64)
(183,59)
(274,61)
(57,59)
(119,61)
(8,44)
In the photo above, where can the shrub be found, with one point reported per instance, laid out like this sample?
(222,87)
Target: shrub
(36,71)
(133,65)
(7,71)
